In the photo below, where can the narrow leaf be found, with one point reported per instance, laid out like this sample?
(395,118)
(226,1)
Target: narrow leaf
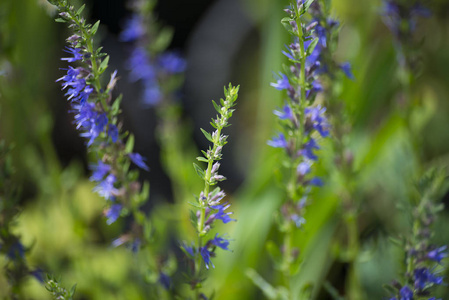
(104,64)
(200,158)
(130,144)
(311,46)
(199,171)
(207,135)
(80,10)
(94,28)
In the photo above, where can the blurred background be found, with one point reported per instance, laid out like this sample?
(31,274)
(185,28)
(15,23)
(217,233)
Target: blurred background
(238,41)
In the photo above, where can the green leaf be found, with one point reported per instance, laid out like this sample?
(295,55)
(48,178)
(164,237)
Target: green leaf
(72,290)
(286,23)
(145,191)
(306,6)
(269,291)
(80,10)
(199,170)
(207,135)
(94,29)
(217,107)
(200,158)
(311,46)
(115,108)
(60,20)
(129,144)
(103,65)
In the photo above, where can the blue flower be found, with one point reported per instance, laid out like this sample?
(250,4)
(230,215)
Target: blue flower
(437,254)
(278,141)
(75,52)
(71,76)
(307,151)
(99,171)
(285,114)
(319,122)
(172,62)
(282,82)
(189,250)
(139,65)
(134,29)
(316,181)
(16,251)
(346,68)
(406,293)
(298,220)
(424,277)
(304,167)
(113,132)
(220,242)
(206,257)
(138,160)
(220,215)
(164,280)
(106,187)
(151,94)
(112,213)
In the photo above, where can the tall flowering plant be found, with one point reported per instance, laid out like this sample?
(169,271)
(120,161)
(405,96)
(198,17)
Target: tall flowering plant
(423,259)
(149,61)
(303,123)
(97,118)
(209,207)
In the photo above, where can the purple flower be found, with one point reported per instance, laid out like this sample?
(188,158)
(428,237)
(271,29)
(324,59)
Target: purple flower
(299,220)
(172,62)
(164,280)
(106,187)
(307,152)
(137,159)
(278,141)
(319,122)
(152,94)
(220,242)
(189,250)
(16,251)
(437,254)
(304,167)
(206,257)
(112,213)
(285,114)
(282,82)
(134,29)
(139,65)
(75,52)
(220,215)
(71,76)
(99,171)
(406,293)
(316,181)
(346,68)
(113,132)
(424,277)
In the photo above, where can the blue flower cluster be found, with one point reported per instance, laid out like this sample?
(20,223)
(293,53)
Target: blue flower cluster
(145,66)
(96,115)
(423,259)
(401,16)
(303,120)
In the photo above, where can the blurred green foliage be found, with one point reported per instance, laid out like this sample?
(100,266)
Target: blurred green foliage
(61,217)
